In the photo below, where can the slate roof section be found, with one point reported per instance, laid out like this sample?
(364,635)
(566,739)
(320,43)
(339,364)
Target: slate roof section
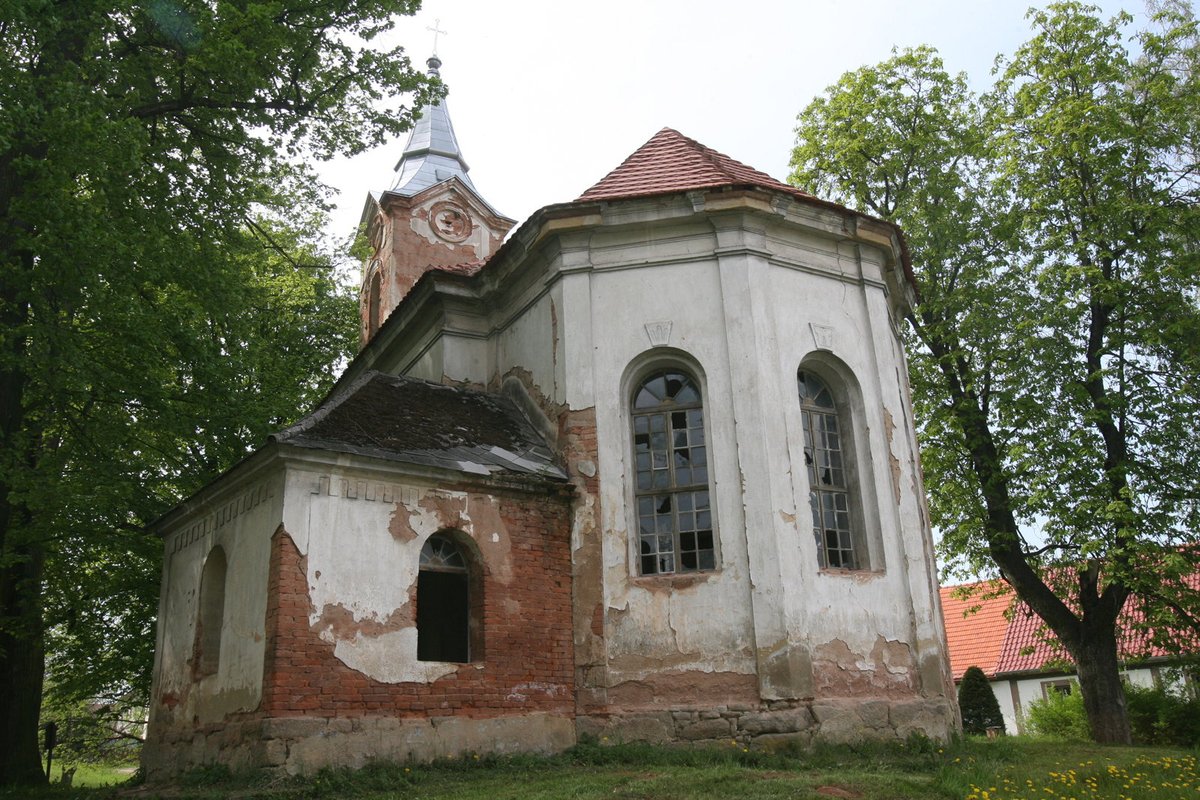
(671,162)
(975,625)
(427,424)
(432,154)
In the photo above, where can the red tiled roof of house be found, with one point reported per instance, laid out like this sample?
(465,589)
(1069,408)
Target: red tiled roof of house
(671,162)
(1030,647)
(975,625)
(987,639)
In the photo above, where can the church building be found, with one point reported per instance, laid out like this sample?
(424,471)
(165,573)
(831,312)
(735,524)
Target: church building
(644,468)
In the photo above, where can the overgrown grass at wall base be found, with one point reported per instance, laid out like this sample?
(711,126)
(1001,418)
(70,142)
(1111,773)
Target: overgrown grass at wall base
(1007,768)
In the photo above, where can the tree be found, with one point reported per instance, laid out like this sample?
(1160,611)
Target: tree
(977,703)
(1053,225)
(144,151)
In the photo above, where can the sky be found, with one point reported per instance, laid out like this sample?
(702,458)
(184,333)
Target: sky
(548,96)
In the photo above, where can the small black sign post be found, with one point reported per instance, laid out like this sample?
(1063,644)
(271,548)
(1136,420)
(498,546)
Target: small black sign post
(51,740)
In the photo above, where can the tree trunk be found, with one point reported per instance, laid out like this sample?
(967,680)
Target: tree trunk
(22,667)
(1100,684)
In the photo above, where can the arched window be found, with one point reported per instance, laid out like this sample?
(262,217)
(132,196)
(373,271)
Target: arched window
(827,457)
(671,491)
(444,602)
(207,655)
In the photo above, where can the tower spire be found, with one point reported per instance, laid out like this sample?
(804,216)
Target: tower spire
(432,154)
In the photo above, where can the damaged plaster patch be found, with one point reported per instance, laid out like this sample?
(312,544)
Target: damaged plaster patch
(447,508)
(338,622)
(888,669)
(683,688)
(522,691)
(889,427)
(391,658)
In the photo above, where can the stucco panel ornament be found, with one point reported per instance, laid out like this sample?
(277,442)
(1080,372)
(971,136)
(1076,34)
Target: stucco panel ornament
(659,333)
(450,221)
(822,336)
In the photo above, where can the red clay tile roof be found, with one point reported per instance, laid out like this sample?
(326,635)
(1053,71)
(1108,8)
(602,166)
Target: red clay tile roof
(975,625)
(988,640)
(671,162)
(1029,647)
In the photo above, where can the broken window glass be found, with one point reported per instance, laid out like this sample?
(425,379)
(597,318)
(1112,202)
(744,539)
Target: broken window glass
(829,492)
(671,481)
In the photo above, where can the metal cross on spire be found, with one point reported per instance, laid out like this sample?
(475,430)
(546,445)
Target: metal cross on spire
(436,30)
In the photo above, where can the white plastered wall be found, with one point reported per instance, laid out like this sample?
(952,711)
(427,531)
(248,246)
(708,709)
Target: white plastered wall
(746,316)
(240,518)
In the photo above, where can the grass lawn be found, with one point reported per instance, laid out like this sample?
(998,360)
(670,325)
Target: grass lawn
(973,769)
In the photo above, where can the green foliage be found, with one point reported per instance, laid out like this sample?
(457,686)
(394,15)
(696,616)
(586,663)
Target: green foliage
(1054,230)
(165,302)
(1162,716)
(977,703)
(1059,715)
(94,733)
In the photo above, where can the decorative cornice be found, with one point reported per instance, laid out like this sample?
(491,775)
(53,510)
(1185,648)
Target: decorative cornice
(222,516)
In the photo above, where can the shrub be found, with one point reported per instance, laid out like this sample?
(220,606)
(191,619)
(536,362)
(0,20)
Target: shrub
(977,703)
(1060,715)
(1160,716)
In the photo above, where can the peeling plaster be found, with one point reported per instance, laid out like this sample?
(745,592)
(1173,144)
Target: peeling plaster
(889,428)
(887,670)
(391,658)
(376,634)
(338,622)
(521,692)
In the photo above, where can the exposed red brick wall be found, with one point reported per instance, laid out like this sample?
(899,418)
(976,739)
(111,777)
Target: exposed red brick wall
(410,255)
(528,663)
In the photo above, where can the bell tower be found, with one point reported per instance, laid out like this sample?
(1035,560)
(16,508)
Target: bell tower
(432,217)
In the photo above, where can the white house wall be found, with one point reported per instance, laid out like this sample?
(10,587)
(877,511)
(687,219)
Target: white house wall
(1015,695)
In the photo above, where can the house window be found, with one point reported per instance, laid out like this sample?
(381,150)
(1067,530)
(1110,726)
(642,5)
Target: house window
(826,457)
(206,658)
(444,602)
(671,488)
(1061,686)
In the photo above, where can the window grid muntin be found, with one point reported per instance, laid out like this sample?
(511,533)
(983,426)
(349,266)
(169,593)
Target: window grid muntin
(829,491)
(440,554)
(671,477)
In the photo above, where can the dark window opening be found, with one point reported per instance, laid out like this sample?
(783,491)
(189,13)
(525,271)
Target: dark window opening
(445,606)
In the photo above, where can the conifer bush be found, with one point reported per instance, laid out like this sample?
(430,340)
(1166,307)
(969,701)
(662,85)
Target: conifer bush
(977,704)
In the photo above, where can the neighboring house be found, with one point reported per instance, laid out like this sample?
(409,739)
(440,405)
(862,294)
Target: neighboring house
(986,627)
(645,469)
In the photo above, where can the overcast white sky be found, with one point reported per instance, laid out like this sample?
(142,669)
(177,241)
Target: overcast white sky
(547,96)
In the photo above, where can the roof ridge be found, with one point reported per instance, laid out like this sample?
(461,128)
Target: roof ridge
(670,162)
